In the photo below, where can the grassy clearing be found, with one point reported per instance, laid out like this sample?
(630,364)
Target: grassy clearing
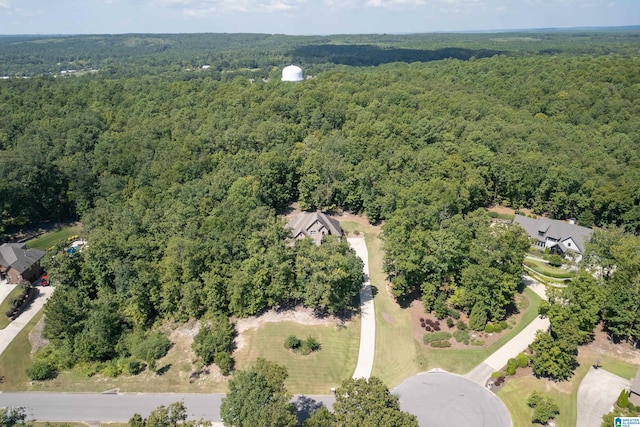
(315,373)
(16,358)
(462,361)
(548,270)
(50,239)
(6,305)
(515,393)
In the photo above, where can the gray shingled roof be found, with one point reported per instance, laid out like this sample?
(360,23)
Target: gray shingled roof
(304,220)
(18,257)
(555,229)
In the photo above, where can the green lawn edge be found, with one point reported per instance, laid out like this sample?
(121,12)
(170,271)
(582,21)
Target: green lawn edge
(51,238)
(5,305)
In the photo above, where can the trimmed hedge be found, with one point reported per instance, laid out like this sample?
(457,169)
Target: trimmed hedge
(436,336)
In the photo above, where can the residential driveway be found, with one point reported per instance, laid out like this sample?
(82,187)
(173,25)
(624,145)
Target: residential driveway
(481,373)
(9,333)
(597,393)
(443,399)
(5,290)
(368,315)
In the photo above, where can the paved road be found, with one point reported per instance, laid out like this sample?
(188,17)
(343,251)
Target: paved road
(368,315)
(481,373)
(597,393)
(93,408)
(441,399)
(9,333)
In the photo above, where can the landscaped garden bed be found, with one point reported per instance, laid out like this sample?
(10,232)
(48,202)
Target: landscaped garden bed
(453,331)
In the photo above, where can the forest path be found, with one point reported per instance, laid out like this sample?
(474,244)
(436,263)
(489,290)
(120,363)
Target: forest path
(367,314)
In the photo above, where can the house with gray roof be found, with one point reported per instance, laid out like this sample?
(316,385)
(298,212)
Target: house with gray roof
(559,236)
(634,390)
(315,225)
(17,263)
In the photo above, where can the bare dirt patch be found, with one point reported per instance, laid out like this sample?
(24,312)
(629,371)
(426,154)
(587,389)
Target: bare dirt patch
(35,337)
(602,344)
(509,211)
(388,318)
(417,312)
(300,315)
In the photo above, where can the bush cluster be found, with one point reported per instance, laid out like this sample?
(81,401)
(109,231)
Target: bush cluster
(462,336)
(19,300)
(436,336)
(430,325)
(440,344)
(304,347)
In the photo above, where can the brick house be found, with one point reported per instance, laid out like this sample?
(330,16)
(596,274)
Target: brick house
(17,263)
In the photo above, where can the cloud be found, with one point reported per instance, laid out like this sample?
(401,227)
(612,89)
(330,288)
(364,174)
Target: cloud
(455,6)
(5,4)
(201,8)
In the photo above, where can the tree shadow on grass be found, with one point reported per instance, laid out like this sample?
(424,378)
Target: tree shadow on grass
(161,371)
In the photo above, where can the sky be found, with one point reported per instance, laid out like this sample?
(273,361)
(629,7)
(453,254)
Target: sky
(307,17)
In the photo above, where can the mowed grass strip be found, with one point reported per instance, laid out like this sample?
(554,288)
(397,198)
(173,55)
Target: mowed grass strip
(50,239)
(16,358)
(315,373)
(396,357)
(549,270)
(6,305)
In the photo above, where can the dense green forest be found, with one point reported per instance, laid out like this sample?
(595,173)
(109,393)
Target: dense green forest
(179,176)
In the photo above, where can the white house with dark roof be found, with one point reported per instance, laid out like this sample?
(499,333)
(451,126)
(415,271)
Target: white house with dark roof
(315,225)
(559,236)
(18,263)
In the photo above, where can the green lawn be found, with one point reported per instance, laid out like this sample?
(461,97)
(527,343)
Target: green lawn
(315,373)
(16,358)
(516,391)
(50,239)
(462,361)
(6,305)
(548,270)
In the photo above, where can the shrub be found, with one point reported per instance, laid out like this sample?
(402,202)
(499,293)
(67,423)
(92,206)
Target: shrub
(461,325)
(41,370)
(497,328)
(148,346)
(478,317)
(224,361)
(214,338)
(304,349)
(428,328)
(440,344)
(450,322)
(292,342)
(497,374)
(461,336)
(544,407)
(489,328)
(88,369)
(111,369)
(454,313)
(523,360)
(436,328)
(134,367)
(436,336)
(511,370)
(312,343)
(503,324)
(499,381)
(555,260)
(623,399)
(477,342)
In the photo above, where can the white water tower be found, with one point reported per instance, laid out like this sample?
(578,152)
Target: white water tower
(292,73)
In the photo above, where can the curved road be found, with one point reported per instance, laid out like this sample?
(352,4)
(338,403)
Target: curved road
(367,315)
